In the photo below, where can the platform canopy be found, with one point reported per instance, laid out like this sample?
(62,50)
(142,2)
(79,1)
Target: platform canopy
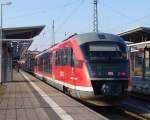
(138,41)
(19,39)
(137,35)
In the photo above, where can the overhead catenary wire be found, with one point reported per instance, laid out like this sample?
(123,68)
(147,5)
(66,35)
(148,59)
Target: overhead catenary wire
(75,10)
(21,16)
(69,3)
(131,22)
(38,11)
(131,19)
(115,10)
(64,6)
(66,20)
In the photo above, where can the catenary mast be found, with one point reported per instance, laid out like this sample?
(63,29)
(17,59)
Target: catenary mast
(95,16)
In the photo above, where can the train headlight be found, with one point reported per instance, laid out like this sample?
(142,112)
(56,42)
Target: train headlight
(105,89)
(122,74)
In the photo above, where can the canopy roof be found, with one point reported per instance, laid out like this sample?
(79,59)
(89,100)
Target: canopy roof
(140,34)
(19,39)
(22,32)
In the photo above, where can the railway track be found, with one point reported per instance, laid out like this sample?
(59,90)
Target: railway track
(131,109)
(117,113)
(141,96)
(137,107)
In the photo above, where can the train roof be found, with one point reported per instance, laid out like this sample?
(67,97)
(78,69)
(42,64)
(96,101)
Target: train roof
(93,36)
(89,37)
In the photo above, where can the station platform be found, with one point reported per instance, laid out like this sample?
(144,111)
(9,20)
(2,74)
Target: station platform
(28,98)
(141,86)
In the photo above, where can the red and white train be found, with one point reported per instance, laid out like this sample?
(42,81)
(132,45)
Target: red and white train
(87,66)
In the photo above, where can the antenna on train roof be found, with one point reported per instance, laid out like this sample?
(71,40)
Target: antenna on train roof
(70,36)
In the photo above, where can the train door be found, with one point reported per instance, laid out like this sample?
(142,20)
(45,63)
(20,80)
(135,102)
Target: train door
(71,72)
(44,65)
(59,70)
(62,68)
(35,66)
(53,64)
(74,67)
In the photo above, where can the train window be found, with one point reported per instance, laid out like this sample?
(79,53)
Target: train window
(47,63)
(44,62)
(40,64)
(69,55)
(60,53)
(73,59)
(103,51)
(56,56)
(105,47)
(50,66)
(64,57)
(59,57)
(35,63)
(69,58)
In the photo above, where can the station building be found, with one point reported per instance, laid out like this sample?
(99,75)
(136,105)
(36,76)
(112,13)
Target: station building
(140,50)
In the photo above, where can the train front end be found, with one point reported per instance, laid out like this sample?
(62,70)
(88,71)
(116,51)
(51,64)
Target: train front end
(106,58)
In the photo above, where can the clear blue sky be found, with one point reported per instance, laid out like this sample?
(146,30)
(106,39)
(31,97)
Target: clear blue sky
(75,16)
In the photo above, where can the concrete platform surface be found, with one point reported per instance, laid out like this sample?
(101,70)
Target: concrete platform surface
(27,98)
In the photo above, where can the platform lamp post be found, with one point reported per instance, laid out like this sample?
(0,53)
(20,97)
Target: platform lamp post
(1,38)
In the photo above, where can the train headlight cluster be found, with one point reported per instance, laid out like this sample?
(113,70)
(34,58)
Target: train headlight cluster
(105,89)
(111,89)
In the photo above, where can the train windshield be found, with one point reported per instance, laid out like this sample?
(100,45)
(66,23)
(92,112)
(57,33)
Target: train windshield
(104,51)
(106,58)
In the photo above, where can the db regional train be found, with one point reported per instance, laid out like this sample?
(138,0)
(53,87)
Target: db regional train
(89,66)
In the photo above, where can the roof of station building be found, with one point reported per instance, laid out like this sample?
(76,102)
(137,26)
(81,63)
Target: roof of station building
(22,32)
(19,39)
(137,35)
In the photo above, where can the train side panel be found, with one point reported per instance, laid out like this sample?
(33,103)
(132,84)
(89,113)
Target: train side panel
(71,78)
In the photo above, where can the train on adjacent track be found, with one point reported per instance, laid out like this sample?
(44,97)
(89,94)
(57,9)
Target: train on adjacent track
(89,66)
